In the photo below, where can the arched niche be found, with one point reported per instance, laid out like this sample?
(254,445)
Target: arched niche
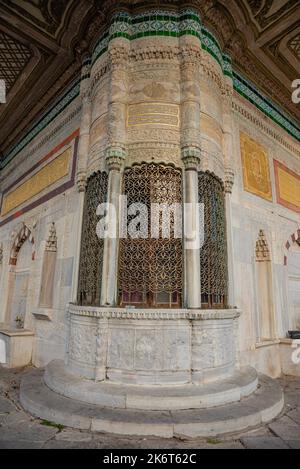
(20,260)
(293,285)
(264,284)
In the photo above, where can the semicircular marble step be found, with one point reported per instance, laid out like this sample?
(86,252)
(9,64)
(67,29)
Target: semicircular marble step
(189,396)
(260,407)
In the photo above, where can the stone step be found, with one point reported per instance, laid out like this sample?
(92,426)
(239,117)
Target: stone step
(189,396)
(262,406)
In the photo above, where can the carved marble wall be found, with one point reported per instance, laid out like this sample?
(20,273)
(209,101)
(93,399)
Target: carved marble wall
(151,346)
(129,106)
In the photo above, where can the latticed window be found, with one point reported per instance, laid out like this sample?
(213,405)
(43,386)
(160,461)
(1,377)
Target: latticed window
(214,275)
(91,255)
(150,269)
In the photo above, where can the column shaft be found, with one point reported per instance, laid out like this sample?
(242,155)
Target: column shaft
(229,180)
(111,244)
(190,152)
(83,151)
(115,156)
(192,255)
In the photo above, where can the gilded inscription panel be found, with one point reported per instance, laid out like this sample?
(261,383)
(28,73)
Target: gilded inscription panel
(45,177)
(256,172)
(287,187)
(152,113)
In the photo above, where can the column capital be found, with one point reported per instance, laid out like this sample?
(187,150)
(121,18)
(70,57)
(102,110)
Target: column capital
(115,157)
(229,180)
(191,157)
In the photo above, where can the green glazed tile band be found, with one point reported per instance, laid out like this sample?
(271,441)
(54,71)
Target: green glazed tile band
(160,23)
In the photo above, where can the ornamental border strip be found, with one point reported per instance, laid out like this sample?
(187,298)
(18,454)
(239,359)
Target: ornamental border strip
(249,91)
(163,314)
(46,118)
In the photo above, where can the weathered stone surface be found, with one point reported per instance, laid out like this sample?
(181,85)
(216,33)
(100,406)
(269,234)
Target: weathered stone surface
(286,428)
(38,399)
(294,444)
(264,443)
(73,435)
(5,406)
(20,430)
(189,396)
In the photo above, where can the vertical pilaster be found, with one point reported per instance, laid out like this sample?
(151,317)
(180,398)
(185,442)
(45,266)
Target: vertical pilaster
(81,177)
(229,181)
(190,153)
(115,157)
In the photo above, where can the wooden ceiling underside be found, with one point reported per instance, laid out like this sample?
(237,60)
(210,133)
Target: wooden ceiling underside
(42,43)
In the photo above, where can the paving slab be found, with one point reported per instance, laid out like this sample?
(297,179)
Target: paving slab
(27,431)
(20,444)
(293,444)
(6,406)
(73,436)
(285,428)
(264,442)
(295,415)
(18,429)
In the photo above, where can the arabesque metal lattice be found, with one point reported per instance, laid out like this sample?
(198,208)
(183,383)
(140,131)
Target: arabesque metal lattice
(91,255)
(150,269)
(214,274)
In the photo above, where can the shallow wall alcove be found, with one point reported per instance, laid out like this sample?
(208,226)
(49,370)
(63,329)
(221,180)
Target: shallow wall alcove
(293,283)
(21,257)
(264,288)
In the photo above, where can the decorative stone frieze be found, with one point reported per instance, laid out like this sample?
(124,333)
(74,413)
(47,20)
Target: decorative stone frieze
(119,55)
(256,118)
(166,314)
(160,346)
(51,243)
(262,249)
(155,53)
(150,152)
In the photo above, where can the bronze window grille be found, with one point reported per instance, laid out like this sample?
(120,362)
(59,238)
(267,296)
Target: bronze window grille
(150,269)
(91,254)
(213,254)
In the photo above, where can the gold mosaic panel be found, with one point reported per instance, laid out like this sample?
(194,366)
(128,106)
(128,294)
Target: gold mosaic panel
(45,177)
(256,172)
(287,186)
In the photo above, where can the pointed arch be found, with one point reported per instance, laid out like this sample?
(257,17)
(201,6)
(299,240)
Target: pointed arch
(264,285)
(23,235)
(294,238)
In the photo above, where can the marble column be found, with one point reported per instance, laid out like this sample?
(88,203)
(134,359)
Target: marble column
(83,151)
(229,181)
(114,159)
(191,231)
(190,153)
(115,156)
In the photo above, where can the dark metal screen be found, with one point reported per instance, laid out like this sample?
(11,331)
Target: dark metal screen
(150,269)
(214,275)
(91,254)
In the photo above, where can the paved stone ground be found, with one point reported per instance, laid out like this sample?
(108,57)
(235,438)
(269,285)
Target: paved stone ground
(20,430)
